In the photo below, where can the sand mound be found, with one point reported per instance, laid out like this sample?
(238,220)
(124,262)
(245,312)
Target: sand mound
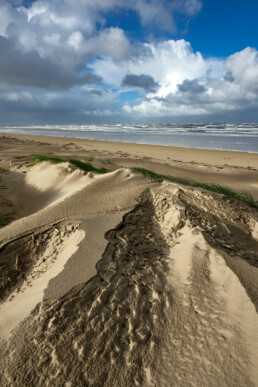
(45,184)
(40,186)
(171,303)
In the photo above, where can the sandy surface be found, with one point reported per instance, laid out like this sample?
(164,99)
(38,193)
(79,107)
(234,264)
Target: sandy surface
(237,170)
(114,280)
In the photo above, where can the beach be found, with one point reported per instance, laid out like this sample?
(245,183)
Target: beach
(241,137)
(116,279)
(237,170)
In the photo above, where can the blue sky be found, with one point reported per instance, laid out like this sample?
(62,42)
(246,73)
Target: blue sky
(220,28)
(224,27)
(117,61)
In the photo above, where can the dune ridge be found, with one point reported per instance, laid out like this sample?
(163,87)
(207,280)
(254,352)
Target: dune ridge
(172,299)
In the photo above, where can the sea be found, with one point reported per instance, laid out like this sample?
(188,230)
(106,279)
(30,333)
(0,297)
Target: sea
(226,136)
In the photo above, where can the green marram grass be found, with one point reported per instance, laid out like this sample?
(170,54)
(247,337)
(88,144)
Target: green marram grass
(243,197)
(4,221)
(86,166)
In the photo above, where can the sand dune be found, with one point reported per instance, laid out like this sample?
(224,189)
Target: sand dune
(114,280)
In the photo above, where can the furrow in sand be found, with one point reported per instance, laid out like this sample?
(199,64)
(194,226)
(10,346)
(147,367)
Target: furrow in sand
(31,262)
(164,308)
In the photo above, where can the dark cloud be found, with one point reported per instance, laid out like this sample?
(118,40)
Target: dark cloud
(31,70)
(142,81)
(228,77)
(30,104)
(97,92)
(16,2)
(192,87)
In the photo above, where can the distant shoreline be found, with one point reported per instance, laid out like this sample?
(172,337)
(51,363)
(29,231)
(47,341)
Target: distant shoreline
(2,134)
(237,139)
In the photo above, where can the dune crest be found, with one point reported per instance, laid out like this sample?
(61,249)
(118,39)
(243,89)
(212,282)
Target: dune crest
(172,301)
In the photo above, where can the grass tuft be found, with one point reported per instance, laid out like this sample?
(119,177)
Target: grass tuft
(4,220)
(243,197)
(85,166)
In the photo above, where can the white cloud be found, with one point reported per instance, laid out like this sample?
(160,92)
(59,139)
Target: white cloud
(243,66)
(111,43)
(62,32)
(75,40)
(53,44)
(65,17)
(65,31)
(189,85)
(35,10)
(169,63)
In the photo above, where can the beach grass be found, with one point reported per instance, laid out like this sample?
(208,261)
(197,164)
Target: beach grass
(85,166)
(243,197)
(88,167)
(4,220)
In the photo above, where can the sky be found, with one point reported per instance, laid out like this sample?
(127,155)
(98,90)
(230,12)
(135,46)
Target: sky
(117,61)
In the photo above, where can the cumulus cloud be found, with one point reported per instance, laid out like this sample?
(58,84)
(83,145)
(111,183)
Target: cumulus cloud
(243,66)
(57,38)
(31,70)
(61,56)
(190,85)
(142,81)
(63,36)
(65,32)
(168,62)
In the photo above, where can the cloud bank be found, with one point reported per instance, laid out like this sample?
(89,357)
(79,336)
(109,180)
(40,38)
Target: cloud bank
(64,61)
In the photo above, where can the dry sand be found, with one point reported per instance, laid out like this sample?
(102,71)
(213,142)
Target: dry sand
(115,280)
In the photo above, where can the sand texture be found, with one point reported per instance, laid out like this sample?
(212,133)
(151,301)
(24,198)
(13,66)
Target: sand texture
(116,280)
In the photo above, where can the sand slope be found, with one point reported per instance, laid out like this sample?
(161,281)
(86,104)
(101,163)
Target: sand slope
(127,283)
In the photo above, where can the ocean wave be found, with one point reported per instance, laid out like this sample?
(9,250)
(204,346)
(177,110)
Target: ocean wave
(227,129)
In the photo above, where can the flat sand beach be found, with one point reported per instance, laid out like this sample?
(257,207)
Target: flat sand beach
(116,279)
